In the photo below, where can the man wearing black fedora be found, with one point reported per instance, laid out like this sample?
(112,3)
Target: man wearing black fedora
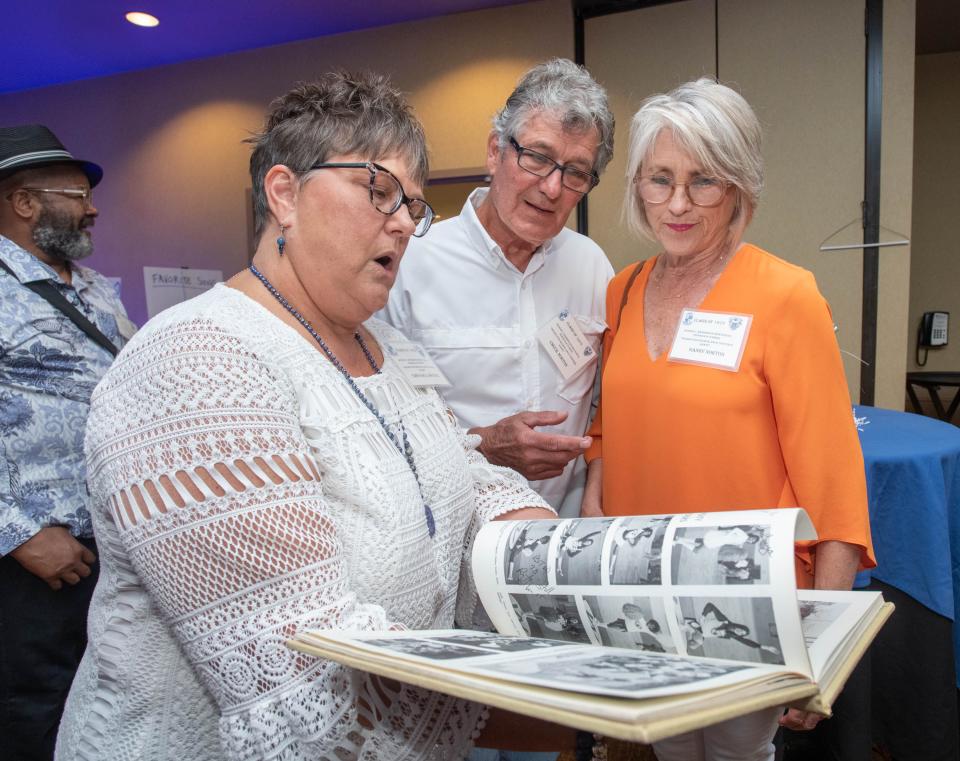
(60,326)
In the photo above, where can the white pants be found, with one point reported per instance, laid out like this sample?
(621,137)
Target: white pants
(746,738)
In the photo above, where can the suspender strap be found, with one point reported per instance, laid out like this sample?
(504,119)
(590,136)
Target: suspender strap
(626,291)
(50,293)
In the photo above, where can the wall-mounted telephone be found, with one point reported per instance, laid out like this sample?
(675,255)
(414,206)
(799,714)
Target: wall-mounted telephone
(932,333)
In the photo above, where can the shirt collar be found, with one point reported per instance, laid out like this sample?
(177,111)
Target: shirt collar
(481,239)
(29,269)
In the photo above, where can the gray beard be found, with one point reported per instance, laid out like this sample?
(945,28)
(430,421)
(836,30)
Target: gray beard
(61,243)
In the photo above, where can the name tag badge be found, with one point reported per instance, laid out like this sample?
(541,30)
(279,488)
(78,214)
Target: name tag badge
(711,339)
(565,344)
(417,366)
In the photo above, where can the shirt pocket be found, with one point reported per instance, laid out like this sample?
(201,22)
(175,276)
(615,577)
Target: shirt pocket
(485,366)
(50,328)
(575,388)
(472,354)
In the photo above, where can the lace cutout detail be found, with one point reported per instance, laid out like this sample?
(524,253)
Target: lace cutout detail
(238,501)
(150,499)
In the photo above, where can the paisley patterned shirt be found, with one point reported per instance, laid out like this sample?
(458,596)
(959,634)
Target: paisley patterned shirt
(48,368)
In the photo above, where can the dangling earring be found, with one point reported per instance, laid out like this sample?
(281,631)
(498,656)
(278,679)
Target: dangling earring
(281,241)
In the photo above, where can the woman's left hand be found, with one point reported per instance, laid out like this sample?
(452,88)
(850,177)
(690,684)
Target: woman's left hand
(800,721)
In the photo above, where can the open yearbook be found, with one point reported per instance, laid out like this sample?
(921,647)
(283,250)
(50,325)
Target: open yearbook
(637,628)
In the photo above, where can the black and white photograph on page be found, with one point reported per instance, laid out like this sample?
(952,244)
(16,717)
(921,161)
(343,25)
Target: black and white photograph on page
(528,543)
(816,617)
(500,643)
(550,616)
(427,648)
(579,551)
(637,551)
(721,555)
(616,670)
(740,629)
(635,622)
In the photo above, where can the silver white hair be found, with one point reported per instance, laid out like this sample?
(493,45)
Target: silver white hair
(716,126)
(560,87)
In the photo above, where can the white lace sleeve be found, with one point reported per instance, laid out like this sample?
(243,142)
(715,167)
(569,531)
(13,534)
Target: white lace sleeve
(197,456)
(497,489)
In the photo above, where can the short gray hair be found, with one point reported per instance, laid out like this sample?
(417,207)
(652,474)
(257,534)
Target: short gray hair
(715,125)
(340,113)
(560,87)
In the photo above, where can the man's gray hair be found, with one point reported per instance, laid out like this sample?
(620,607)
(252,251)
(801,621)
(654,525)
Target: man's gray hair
(716,126)
(560,87)
(339,114)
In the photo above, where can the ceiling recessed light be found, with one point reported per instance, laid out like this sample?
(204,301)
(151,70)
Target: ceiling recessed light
(142,19)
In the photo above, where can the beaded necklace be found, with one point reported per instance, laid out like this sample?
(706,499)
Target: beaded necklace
(404,449)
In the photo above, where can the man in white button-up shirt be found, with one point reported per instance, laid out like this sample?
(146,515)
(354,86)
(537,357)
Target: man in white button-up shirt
(481,289)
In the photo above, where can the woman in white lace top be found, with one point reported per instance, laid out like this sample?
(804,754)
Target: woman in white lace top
(260,463)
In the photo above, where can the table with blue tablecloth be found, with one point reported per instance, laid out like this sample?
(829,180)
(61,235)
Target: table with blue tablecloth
(913,486)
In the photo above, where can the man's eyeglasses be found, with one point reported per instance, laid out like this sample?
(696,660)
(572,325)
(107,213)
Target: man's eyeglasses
(85,195)
(702,191)
(387,194)
(543,166)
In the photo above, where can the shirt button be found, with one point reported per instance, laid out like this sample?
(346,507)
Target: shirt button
(527,344)
(523,285)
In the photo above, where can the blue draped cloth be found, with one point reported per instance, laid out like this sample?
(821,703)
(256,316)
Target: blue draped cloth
(913,490)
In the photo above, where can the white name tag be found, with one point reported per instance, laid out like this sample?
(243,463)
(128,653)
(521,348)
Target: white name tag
(418,366)
(565,343)
(712,339)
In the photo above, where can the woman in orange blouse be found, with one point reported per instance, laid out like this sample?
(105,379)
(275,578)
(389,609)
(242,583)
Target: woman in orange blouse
(722,381)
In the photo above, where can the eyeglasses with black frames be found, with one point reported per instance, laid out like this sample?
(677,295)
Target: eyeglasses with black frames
(387,194)
(543,166)
(701,190)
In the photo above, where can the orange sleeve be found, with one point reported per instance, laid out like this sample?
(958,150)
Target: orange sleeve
(614,299)
(815,425)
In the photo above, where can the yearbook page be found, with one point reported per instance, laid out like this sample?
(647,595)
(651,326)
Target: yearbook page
(708,585)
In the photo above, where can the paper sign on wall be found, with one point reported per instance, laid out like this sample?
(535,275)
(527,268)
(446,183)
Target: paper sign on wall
(166,286)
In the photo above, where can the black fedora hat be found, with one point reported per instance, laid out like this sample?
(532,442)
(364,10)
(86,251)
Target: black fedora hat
(33,145)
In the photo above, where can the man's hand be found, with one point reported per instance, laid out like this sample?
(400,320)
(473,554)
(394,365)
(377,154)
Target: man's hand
(55,556)
(514,442)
